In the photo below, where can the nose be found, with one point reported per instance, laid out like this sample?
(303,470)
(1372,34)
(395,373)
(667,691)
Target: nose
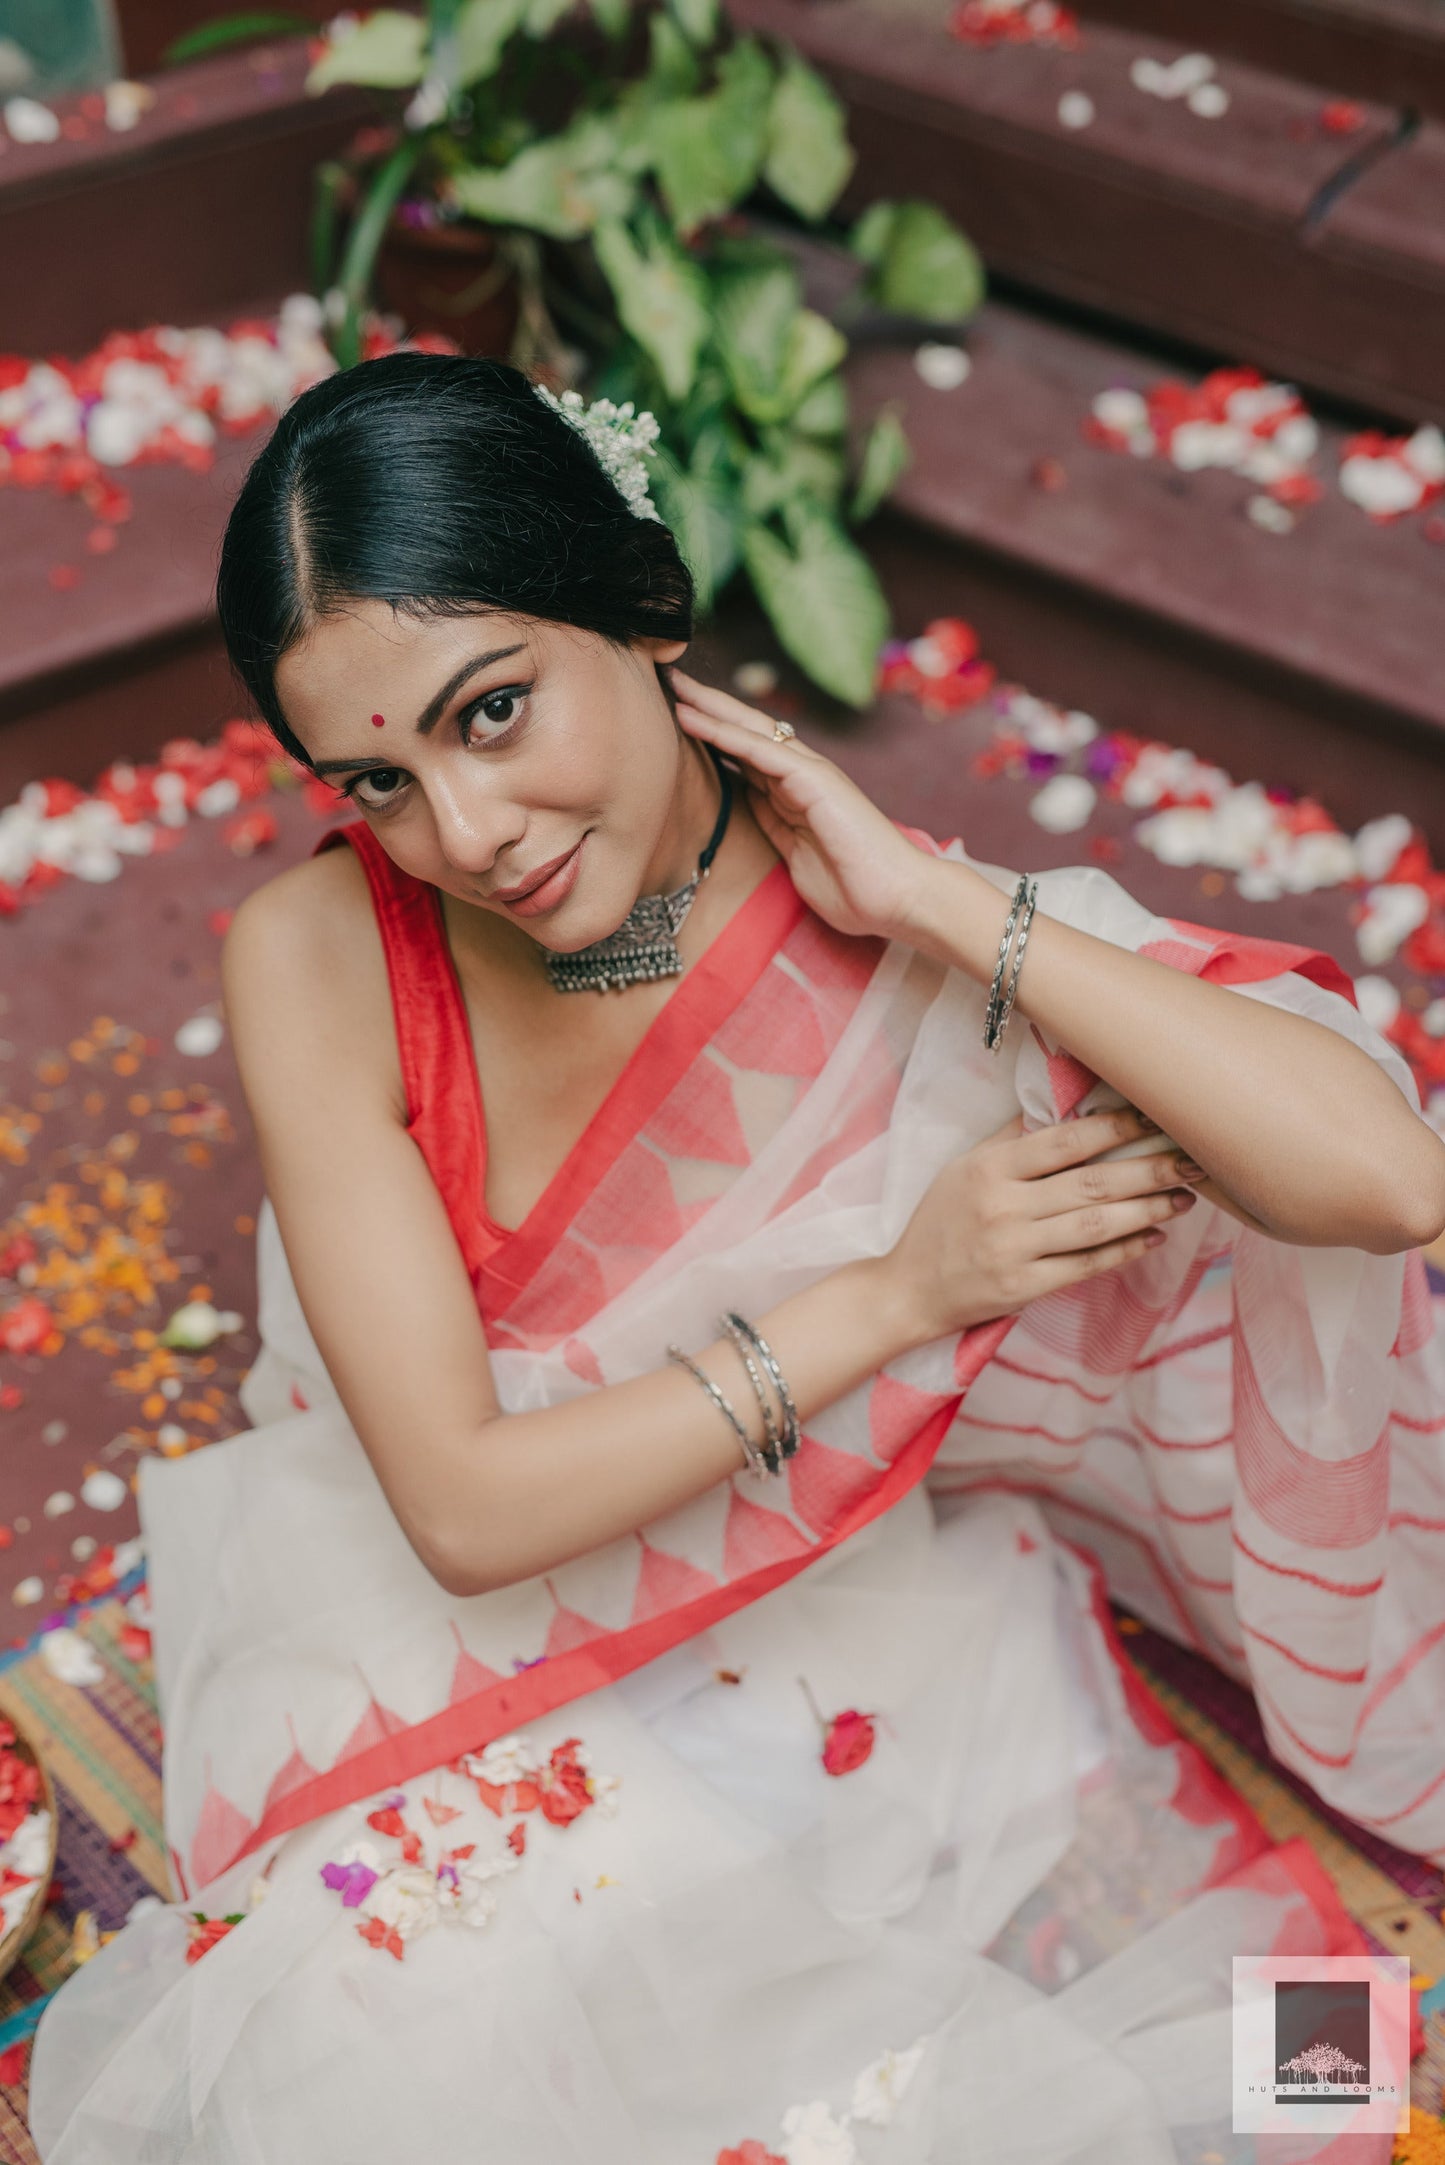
(474,825)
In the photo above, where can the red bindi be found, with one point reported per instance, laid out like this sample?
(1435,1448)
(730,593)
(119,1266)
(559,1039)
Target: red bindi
(378,721)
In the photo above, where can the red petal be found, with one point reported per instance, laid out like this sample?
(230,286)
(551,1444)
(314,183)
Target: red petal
(849,1742)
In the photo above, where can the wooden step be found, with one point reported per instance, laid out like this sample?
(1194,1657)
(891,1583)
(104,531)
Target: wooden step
(1390,51)
(128,655)
(1230,234)
(201,209)
(197,214)
(1138,591)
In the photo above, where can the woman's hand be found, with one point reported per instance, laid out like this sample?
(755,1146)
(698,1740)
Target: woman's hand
(847,859)
(1021,1215)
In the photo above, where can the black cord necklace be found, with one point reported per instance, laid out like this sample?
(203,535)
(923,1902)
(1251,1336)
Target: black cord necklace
(644,946)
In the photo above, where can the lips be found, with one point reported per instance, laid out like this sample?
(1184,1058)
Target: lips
(537,879)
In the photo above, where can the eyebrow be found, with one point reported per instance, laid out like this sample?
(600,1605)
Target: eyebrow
(430,715)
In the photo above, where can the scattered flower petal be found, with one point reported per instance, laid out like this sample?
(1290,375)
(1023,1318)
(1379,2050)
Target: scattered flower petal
(70,1658)
(943,368)
(811,2136)
(849,1742)
(103,1490)
(1064,804)
(201,1035)
(879,2090)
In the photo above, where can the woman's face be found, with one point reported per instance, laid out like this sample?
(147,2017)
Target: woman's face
(489,749)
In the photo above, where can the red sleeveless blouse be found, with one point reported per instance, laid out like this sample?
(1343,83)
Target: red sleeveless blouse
(445,1114)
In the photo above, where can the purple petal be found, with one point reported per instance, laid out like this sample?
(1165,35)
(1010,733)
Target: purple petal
(360,1881)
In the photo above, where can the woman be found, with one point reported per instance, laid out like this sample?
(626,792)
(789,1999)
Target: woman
(539,1783)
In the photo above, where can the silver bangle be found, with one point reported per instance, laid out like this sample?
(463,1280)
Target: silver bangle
(755,1460)
(771,1427)
(792,1434)
(991,1016)
(1023,939)
(999,1011)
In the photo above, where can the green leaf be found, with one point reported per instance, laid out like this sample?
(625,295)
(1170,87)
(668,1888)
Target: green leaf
(234,30)
(921,264)
(612,16)
(697,18)
(700,504)
(885,456)
(710,150)
(563,187)
(774,349)
(661,297)
(826,606)
(386,51)
(824,412)
(673,70)
(482,30)
(815,348)
(790,467)
(755,304)
(368,229)
(869,238)
(543,16)
(808,155)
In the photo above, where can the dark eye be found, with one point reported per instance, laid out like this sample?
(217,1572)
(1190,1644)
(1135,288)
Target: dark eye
(499,709)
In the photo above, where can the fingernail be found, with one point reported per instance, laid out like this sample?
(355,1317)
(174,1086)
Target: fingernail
(1155,1235)
(1181,1199)
(1188,1170)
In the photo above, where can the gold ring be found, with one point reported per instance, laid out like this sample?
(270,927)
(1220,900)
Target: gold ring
(782,731)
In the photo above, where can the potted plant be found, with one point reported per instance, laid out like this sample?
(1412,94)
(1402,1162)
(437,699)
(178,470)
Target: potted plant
(598,161)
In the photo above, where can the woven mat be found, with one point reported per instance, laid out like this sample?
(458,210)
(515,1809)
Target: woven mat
(103,1748)
(102,1745)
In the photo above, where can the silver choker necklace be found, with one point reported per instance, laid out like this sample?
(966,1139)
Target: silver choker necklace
(644,946)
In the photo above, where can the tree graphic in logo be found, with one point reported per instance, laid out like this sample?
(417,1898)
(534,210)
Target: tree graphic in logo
(1321,2063)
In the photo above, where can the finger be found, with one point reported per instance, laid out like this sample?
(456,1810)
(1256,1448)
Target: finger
(1055,1272)
(1100,1223)
(777,760)
(1070,1142)
(1113,1182)
(710,699)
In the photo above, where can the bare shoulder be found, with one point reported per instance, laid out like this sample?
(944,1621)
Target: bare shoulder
(378,1271)
(303,972)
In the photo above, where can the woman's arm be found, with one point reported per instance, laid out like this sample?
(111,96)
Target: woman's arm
(1011,1220)
(1300,1133)
(1294,1123)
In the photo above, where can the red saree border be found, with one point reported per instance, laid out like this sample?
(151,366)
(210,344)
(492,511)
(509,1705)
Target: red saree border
(472,1723)
(711,990)
(1241,958)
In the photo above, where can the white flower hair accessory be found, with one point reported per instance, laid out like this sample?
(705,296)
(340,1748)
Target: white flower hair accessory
(621,440)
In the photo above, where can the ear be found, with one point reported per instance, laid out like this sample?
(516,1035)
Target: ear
(663,651)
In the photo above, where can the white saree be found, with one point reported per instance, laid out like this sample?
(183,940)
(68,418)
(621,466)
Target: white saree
(559,1873)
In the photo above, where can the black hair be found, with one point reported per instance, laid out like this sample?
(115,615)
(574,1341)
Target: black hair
(439,483)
